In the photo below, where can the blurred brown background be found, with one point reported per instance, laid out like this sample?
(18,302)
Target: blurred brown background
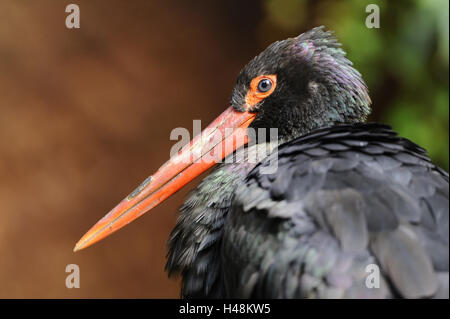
(85,116)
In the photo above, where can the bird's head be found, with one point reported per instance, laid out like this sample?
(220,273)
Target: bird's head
(295,86)
(301,84)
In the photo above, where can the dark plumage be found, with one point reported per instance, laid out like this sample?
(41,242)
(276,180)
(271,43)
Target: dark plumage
(339,208)
(345,195)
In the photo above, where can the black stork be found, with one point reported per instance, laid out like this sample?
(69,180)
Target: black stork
(344,196)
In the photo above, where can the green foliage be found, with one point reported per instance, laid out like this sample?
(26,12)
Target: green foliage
(405,62)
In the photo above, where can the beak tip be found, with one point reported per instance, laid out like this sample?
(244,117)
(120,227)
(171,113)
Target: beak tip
(79,246)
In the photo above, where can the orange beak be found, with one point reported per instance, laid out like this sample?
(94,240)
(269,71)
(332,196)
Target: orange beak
(221,138)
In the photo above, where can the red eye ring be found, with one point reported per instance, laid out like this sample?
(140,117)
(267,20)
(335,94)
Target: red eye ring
(255,95)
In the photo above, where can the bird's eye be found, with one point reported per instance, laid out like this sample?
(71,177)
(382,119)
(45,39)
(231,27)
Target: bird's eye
(264,85)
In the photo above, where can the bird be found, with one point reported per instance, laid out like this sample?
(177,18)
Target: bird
(337,208)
